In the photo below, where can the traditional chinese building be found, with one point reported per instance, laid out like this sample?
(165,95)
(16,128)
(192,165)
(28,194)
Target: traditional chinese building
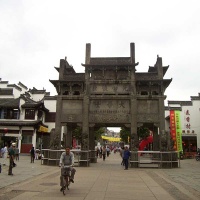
(24,119)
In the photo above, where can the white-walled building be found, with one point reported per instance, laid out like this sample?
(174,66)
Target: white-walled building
(190,121)
(24,118)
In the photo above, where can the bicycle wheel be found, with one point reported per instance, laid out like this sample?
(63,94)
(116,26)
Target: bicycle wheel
(64,185)
(68,182)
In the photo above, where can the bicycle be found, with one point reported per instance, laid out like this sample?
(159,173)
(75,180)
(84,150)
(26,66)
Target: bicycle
(66,178)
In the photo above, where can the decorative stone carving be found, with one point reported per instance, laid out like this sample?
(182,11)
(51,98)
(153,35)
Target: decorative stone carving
(166,142)
(84,141)
(55,140)
(134,142)
(147,118)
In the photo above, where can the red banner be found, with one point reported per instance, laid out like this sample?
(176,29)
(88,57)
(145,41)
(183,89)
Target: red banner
(173,128)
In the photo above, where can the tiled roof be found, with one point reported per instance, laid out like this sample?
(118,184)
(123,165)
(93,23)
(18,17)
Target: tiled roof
(9,103)
(29,103)
(35,105)
(21,123)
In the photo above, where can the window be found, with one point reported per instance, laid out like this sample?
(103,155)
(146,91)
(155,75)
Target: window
(27,139)
(29,114)
(15,114)
(9,114)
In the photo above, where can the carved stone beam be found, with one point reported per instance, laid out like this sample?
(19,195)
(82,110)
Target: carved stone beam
(139,124)
(91,125)
(127,125)
(79,124)
(156,124)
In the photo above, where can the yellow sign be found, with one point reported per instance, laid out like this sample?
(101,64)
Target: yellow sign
(111,139)
(43,129)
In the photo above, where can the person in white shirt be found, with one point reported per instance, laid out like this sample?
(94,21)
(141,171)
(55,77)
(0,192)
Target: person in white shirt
(5,155)
(67,158)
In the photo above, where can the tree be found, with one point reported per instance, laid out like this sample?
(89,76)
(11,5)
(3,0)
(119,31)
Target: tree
(143,133)
(125,135)
(98,133)
(77,133)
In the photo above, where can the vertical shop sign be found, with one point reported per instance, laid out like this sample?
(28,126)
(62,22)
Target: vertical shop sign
(173,128)
(178,131)
(187,121)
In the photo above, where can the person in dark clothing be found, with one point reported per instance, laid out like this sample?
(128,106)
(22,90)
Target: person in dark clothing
(104,153)
(32,155)
(126,157)
(11,153)
(100,152)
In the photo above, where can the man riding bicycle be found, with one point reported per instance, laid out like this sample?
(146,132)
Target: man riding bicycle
(67,158)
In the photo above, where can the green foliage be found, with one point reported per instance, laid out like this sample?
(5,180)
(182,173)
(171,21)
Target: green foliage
(142,132)
(98,133)
(125,135)
(77,133)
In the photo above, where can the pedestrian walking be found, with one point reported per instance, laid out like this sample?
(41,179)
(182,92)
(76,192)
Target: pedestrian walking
(16,153)
(122,155)
(37,151)
(11,152)
(5,155)
(104,153)
(126,157)
(108,151)
(100,152)
(32,151)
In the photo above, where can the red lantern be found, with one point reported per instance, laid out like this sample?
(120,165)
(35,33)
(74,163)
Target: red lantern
(5,130)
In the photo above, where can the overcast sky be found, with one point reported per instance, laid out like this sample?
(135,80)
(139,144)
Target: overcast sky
(36,34)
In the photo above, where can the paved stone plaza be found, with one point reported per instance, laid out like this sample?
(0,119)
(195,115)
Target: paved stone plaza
(105,180)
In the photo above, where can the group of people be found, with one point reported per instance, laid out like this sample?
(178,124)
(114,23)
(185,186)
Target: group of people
(35,154)
(103,152)
(124,153)
(4,154)
(66,158)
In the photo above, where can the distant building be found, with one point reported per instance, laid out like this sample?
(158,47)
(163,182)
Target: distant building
(24,117)
(189,121)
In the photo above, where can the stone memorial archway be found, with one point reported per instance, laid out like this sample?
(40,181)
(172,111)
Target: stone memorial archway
(110,93)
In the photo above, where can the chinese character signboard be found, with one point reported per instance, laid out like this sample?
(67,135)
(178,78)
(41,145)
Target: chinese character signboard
(178,131)
(175,129)
(187,120)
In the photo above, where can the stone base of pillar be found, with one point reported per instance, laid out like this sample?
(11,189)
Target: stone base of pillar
(93,160)
(84,163)
(134,165)
(134,159)
(92,156)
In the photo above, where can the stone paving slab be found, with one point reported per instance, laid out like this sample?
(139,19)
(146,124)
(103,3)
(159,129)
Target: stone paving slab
(104,180)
